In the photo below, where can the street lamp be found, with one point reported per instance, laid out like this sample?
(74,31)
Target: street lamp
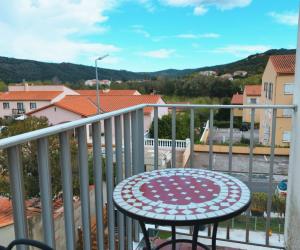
(97,82)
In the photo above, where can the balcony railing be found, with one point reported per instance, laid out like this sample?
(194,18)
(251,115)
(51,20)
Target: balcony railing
(18,111)
(129,160)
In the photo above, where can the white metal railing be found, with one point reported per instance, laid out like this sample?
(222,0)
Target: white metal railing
(129,134)
(165,143)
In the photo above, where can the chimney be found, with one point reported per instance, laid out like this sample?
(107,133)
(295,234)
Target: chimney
(26,86)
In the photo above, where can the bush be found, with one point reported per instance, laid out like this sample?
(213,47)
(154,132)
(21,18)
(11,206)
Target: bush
(259,203)
(278,204)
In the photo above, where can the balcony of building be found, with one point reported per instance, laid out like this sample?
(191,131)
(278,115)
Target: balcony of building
(92,222)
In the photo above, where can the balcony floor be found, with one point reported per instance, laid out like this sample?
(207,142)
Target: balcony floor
(184,246)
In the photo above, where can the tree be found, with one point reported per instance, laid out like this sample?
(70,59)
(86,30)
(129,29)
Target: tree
(3,86)
(29,159)
(165,127)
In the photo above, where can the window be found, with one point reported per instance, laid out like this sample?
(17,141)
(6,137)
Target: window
(270,91)
(252,100)
(287,112)
(20,105)
(266,89)
(288,88)
(286,136)
(6,105)
(33,105)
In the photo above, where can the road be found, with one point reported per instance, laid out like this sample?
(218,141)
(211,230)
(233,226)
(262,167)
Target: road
(221,135)
(240,167)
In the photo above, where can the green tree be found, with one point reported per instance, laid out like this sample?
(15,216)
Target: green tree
(29,159)
(3,86)
(165,127)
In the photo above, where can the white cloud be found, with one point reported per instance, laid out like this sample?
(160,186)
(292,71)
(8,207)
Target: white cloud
(288,18)
(242,50)
(200,10)
(201,6)
(45,30)
(161,53)
(196,36)
(139,29)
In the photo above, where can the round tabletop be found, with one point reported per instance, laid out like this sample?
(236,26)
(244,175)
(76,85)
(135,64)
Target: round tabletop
(181,196)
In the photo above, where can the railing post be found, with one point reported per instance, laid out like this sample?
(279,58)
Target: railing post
(128,172)
(173,137)
(84,186)
(97,162)
(109,182)
(292,225)
(155,138)
(46,192)
(17,192)
(66,172)
(119,170)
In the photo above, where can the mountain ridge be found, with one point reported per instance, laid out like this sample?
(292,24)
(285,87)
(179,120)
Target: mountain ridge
(14,70)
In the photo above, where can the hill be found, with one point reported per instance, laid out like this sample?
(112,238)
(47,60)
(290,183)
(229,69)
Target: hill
(253,64)
(15,70)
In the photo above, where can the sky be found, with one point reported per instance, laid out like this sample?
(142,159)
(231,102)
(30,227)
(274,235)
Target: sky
(145,35)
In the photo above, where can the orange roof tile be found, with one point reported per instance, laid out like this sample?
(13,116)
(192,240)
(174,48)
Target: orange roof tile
(284,64)
(29,95)
(6,210)
(78,104)
(112,103)
(252,90)
(237,99)
(87,105)
(110,92)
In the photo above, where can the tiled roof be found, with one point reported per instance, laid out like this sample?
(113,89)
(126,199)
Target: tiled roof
(110,92)
(6,210)
(284,64)
(81,105)
(29,95)
(112,103)
(252,90)
(237,99)
(87,105)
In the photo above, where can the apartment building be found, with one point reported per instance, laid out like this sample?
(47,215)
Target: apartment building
(251,95)
(278,83)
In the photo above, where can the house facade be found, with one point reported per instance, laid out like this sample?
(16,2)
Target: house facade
(251,96)
(68,109)
(278,83)
(237,99)
(20,99)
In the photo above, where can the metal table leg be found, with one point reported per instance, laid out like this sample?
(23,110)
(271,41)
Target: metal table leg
(195,237)
(214,236)
(173,238)
(146,235)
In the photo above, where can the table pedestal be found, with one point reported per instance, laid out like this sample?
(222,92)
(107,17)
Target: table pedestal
(174,241)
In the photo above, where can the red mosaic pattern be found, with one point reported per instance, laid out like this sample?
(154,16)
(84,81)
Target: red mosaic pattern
(180,190)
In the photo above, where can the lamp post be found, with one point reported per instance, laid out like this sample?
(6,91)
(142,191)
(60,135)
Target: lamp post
(97,82)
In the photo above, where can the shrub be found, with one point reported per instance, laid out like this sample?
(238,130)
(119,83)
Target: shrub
(259,203)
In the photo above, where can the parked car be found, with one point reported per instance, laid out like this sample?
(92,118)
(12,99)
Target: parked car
(244,127)
(281,189)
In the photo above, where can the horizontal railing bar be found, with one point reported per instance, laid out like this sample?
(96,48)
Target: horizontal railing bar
(220,106)
(37,134)
(33,135)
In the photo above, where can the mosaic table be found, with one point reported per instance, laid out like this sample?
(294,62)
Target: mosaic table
(181,197)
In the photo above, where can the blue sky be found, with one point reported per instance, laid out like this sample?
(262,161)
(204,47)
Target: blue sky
(145,35)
